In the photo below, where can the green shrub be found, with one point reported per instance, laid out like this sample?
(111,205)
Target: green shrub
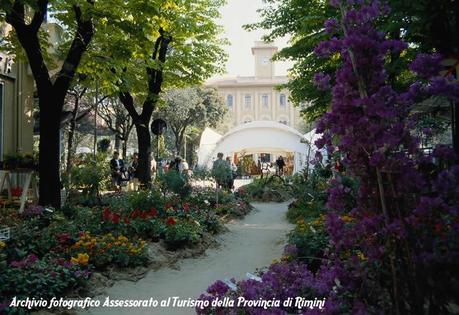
(181,232)
(175,182)
(311,239)
(273,188)
(91,176)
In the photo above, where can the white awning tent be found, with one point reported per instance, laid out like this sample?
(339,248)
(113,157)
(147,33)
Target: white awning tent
(253,138)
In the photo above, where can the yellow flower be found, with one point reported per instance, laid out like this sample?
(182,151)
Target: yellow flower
(82,259)
(2,244)
(361,256)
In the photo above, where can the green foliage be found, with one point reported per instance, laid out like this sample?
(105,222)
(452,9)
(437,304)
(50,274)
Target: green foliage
(175,182)
(144,199)
(273,188)
(103,145)
(311,240)
(20,161)
(123,45)
(91,176)
(182,232)
(188,109)
(221,172)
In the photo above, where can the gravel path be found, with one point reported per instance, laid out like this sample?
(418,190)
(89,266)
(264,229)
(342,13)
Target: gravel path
(251,243)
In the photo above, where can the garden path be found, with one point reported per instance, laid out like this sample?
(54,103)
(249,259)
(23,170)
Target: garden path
(251,243)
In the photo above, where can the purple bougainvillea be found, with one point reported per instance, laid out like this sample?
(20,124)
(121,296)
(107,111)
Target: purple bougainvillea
(403,220)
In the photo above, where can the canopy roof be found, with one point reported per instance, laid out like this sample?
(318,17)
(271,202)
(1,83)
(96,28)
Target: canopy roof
(249,138)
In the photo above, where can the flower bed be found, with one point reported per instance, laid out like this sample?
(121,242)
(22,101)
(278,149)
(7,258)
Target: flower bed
(58,251)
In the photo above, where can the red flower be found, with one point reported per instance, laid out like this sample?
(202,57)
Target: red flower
(171,221)
(116,218)
(106,214)
(127,221)
(153,212)
(135,213)
(144,214)
(16,192)
(186,207)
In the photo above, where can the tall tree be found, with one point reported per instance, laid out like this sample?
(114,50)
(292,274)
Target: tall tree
(191,108)
(27,18)
(168,43)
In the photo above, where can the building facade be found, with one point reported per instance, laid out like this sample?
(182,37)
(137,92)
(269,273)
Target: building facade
(262,125)
(257,98)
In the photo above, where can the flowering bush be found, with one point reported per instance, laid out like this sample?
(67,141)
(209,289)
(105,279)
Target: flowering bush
(400,212)
(39,278)
(105,250)
(281,281)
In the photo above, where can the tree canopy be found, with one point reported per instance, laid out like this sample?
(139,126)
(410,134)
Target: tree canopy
(192,108)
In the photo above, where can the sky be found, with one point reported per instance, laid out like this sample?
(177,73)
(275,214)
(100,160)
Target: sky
(235,14)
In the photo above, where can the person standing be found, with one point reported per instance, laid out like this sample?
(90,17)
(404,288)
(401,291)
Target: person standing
(133,169)
(117,168)
(280,165)
(233,170)
(221,171)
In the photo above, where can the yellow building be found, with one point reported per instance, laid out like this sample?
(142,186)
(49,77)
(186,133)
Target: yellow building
(16,107)
(256,98)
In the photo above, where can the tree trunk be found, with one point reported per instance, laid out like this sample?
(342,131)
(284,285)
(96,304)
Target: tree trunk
(117,137)
(49,149)
(71,135)
(144,142)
